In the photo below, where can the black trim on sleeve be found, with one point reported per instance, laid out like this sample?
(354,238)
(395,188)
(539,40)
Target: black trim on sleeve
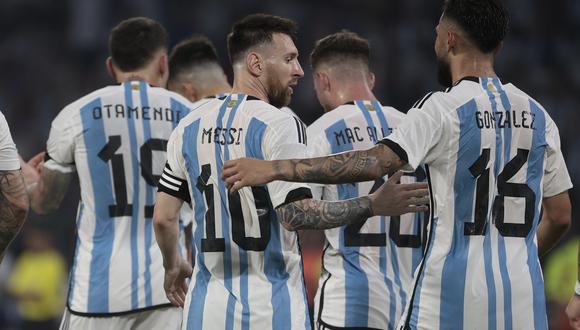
(296,195)
(179,190)
(396,149)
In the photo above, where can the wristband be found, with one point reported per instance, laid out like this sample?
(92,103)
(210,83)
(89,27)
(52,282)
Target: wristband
(577,288)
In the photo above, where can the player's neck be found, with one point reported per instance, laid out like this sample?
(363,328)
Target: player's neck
(252,86)
(352,92)
(224,88)
(141,75)
(472,66)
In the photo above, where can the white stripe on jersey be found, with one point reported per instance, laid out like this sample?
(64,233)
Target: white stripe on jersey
(492,152)
(116,137)
(366,270)
(248,271)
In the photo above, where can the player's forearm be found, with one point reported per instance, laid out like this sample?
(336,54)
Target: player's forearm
(47,195)
(14,205)
(550,231)
(353,166)
(167,234)
(316,214)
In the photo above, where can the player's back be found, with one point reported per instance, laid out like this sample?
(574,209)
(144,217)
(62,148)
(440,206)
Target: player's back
(487,180)
(116,138)
(248,269)
(366,267)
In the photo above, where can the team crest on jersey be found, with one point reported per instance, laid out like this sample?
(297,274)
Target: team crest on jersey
(370,107)
(491,88)
(232,103)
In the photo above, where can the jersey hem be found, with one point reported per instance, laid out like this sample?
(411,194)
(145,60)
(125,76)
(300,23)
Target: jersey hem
(118,313)
(331,327)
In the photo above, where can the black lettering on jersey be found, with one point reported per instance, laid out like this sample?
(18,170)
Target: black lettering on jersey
(97,113)
(177,116)
(168,114)
(131,110)
(108,108)
(145,113)
(120,110)
(358,137)
(349,135)
(507,119)
(223,136)
(385,134)
(340,139)
(533,121)
(372,131)
(157,113)
(206,134)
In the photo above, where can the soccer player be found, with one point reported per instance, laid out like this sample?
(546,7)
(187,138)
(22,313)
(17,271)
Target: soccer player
(493,161)
(195,71)
(248,271)
(366,266)
(115,139)
(13,197)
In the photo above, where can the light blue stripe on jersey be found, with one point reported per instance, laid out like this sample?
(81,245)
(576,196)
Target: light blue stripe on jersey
(382,118)
(225,217)
(179,107)
(507,286)
(199,290)
(534,178)
(487,253)
(382,250)
(149,191)
(274,265)
(356,285)
(135,215)
(75,261)
(243,261)
(455,265)
(104,234)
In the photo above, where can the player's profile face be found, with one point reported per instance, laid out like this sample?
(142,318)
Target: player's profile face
(283,69)
(443,66)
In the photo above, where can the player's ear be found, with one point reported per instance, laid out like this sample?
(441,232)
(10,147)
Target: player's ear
(163,67)
(111,67)
(451,40)
(255,64)
(371,80)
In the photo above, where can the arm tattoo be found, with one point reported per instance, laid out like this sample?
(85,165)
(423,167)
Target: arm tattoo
(316,214)
(13,206)
(52,189)
(353,166)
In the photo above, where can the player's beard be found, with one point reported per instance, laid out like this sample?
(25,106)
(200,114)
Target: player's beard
(278,95)
(444,73)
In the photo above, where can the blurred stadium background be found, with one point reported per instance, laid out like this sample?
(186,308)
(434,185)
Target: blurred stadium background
(52,52)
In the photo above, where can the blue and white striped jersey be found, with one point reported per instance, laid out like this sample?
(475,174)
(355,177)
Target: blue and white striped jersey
(491,153)
(116,138)
(366,268)
(248,269)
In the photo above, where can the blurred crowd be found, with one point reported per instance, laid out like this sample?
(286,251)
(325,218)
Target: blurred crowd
(53,52)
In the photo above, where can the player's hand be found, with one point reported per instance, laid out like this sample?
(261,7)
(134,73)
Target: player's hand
(393,199)
(175,285)
(573,312)
(32,170)
(245,172)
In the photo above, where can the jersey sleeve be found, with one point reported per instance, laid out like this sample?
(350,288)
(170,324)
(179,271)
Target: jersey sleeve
(556,176)
(284,140)
(173,181)
(317,147)
(417,136)
(9,160)
(61,143)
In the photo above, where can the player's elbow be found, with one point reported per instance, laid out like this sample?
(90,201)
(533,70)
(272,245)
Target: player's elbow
(562,221)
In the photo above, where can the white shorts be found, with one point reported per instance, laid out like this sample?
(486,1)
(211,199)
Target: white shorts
(161,318)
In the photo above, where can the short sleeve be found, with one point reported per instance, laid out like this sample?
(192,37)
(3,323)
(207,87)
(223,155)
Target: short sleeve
(285,139)
(173,181)
(9,160)
(556,176)
(61,143)
(415,139)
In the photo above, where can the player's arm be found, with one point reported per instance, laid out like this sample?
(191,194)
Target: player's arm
(390,199)
(347,167)
(555,222)
(13,206)
(47,194)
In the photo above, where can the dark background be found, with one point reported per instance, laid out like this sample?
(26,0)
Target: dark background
(53,52)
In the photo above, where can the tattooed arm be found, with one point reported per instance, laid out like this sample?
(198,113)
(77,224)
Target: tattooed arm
(390,199)
(47,194)
(353,166)
(13,206)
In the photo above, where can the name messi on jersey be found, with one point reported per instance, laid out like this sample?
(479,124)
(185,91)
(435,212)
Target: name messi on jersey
(145,113)
(356,134)
(222,135)
(507,119)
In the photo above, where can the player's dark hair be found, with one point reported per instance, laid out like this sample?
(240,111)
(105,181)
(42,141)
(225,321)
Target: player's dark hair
(486,22)
(195,51)
(134,42)
(254,30)
(344,45)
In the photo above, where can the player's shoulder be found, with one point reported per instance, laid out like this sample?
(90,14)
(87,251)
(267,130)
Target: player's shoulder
(88,102)
(514,91)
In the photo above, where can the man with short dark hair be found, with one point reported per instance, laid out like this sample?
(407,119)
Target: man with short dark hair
(194,70)
(367,267)
(248,271)
(115,138)
(493,160)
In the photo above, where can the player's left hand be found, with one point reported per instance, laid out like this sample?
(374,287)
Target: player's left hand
(174,283)
(32,170)
(573,312)
(245,172)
